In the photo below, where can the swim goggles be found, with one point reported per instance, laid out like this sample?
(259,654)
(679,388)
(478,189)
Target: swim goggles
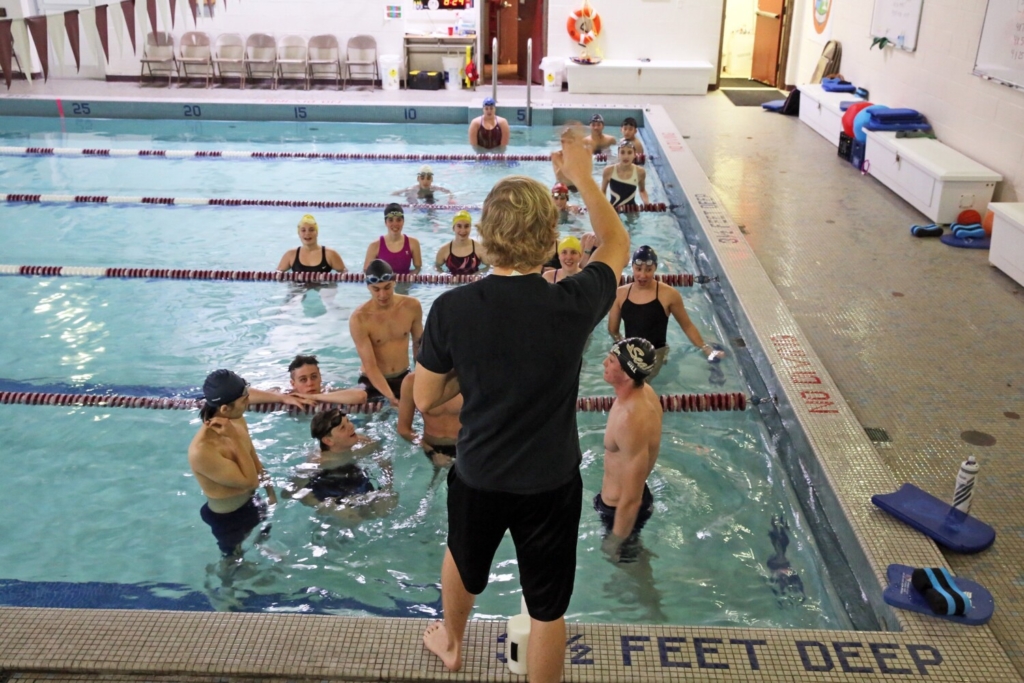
(337,417)
(374,279)
(425,175)
(645,262)
(559,196)
(395,214)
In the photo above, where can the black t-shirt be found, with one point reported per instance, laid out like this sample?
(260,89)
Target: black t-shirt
(516,343)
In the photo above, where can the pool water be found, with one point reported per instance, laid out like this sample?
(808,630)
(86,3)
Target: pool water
(110,494)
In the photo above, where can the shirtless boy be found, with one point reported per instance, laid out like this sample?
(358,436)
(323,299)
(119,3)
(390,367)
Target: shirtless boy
(441,425)
(225,463)
(382,329)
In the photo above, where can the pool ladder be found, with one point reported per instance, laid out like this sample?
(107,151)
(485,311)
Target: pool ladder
(529,76)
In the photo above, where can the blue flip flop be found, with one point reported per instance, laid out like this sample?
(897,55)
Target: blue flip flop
(966,242)
(937,519)
(901,593)
(930,230)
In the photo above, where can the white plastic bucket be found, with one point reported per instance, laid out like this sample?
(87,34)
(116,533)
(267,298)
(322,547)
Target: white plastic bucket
(552,69)
(390,74)
(453,72)
(516,640)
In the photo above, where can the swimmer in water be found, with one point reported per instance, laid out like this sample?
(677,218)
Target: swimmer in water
(226,466)
(463,255)
(489,131)
(332,482)
(310,257)
(560,195)
(625,181)
(424,190)
(400,252)
(307,387)
(629,135)
(570,252)
(784,580)
(599,141)
(632,441)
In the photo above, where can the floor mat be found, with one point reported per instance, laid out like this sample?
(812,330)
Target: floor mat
(753,98)
(740,83)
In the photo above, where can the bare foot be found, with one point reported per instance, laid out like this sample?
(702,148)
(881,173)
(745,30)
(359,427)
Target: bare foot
(435,638)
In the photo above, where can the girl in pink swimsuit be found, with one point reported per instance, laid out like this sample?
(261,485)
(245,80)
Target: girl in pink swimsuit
(407,257)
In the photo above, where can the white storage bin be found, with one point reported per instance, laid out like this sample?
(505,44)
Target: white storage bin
(937,180)
(1007,250)
(553,69)
(820,110)
(453,71)
(390,74)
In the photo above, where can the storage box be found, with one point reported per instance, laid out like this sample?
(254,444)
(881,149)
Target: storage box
(857,154)
(426,80)
(1007,250)
(935,179)
(845,146)
(821,110)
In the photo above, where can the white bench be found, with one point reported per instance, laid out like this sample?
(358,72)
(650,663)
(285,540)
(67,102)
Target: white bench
(631,76)
(1007,250)
(820,110)
(937,180)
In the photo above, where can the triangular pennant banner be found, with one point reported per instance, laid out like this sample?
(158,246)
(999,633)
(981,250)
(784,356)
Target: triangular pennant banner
(22,46)
(172,13)
(6,51)
(101,29)
(194,5)
(55,32)
(128,8)
(37,29)
(151,9)
(71,26)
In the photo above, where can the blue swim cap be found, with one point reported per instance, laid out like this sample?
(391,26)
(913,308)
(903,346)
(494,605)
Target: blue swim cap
(223,387)
(489,102)
(645,256)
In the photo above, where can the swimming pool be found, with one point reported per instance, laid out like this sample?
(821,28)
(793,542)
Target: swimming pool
(717,483)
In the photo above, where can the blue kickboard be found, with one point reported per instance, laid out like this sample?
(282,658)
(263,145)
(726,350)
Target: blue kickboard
(901,593)
(774,105)
(966,242)
(937,519)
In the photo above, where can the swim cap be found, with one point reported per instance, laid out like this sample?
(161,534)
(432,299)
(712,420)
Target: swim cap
(597,118)
(308,218)
(570,242)
(636,356)
(425,170)
(645,256)
(322,423)
(559,188)
(461,216)
(378,271)
(393,209)
(223,387)
(489,102)
(627,143)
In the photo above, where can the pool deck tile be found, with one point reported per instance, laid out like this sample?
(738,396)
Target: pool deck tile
(921,340)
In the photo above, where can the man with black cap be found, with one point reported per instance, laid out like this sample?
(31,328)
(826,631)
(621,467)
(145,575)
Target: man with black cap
(599,141)
(632,440)
(225,464)
(644,307)
(382,329)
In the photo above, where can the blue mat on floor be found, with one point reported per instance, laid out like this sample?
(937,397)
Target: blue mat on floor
(936,519)
(966,242)
(900,593)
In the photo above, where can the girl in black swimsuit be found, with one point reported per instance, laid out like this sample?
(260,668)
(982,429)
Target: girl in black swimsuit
(308,234)
(467,264)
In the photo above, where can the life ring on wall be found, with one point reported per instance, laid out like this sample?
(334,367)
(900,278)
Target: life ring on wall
(584,25)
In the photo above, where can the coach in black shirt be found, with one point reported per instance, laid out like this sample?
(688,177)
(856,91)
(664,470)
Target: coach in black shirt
(512,344)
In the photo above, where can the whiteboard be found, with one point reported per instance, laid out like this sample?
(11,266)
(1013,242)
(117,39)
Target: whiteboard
(1001,50)
(897,20)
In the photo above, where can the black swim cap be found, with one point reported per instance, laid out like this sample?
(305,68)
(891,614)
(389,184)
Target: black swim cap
(223,387)
(377,271)
(645,255)
(636,356)
(393,208)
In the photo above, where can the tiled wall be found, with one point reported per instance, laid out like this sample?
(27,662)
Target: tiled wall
(981,119)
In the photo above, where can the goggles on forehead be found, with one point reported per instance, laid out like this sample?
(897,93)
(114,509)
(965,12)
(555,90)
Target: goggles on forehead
(374,279)
(394,214)
(645,262)
(559,195)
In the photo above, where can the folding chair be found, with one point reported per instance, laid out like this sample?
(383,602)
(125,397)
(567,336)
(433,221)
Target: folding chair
(194,52)
(261,57)
(324,58)
(292,59)
(158,56)
(361,52)
(229,57)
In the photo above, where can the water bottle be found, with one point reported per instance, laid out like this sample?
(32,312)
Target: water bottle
(963,492)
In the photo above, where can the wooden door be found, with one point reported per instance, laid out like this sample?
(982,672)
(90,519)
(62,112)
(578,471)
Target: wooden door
(767,41)
(531,26)
(508,30)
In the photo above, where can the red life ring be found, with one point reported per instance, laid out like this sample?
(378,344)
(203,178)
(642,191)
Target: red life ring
(584,25)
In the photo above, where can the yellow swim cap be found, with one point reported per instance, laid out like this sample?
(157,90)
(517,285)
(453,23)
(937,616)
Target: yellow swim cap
(570,242)
(308,218)
(462,216)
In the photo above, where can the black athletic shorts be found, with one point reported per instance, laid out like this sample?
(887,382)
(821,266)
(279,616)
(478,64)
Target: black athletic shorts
(544,526)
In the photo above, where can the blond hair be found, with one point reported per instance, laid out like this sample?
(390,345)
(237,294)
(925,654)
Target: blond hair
(518,223)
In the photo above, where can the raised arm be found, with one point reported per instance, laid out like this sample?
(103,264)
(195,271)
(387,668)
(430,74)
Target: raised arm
(576,161)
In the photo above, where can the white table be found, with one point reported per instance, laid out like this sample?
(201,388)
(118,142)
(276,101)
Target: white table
(631,76)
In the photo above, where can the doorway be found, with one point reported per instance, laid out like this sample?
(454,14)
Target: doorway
(755,40)
(513,23)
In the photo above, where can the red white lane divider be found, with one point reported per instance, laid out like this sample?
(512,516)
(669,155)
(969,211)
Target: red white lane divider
(265,203)
(672,403)
(675,280)
(268,156)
